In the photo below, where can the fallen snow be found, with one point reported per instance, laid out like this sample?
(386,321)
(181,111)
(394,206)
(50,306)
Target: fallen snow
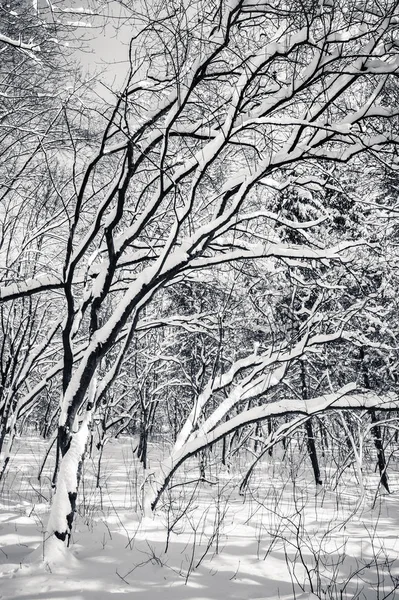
(114,552)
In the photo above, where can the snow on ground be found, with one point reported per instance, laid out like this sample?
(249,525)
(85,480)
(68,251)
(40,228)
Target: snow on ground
(280,541)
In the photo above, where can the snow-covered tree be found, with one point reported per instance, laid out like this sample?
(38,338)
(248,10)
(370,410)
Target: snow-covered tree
(226,105)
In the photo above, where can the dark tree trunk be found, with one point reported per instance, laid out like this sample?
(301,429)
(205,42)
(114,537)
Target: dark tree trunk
(311,445)
(269,432)
(224,447)
(382,465)
(312,452)
(142,449)
(258,431)
(46,421)
(4,467)
(202,463)
(376,430)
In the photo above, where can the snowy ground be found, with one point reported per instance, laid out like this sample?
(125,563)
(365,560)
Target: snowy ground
(280,541)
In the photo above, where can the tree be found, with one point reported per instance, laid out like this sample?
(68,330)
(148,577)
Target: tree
(33,136)
(225,105)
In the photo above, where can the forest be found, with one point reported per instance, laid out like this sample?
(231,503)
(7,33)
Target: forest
(199,285)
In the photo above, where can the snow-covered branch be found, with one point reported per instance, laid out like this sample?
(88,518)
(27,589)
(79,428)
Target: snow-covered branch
(347,398)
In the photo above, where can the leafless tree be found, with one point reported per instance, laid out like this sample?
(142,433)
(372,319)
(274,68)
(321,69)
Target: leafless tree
(226,105)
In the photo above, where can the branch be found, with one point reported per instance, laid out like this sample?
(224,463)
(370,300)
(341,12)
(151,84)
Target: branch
(343,399)
(32,47)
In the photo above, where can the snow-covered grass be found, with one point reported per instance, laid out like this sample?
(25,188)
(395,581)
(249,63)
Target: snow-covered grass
(206,542)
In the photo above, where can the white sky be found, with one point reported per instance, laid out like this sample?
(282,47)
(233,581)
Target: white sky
(105,51)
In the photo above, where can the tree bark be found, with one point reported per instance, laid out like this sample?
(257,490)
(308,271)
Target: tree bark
(311,445)
(376,429)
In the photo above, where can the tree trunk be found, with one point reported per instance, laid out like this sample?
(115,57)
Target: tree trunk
(224,447)
(376,430)
(311,445)
(382,465)
(258,431)
(63,507)
(312,452)
(269,432)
